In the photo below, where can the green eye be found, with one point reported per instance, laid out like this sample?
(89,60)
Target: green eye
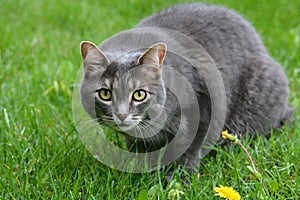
(139,95)
(104,94)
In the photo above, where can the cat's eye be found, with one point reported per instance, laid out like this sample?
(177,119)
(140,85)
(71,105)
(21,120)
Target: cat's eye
(104,94)
(139,95)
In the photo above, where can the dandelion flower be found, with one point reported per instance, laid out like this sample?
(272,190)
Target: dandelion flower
(227,192)
(235,140)
(228,136)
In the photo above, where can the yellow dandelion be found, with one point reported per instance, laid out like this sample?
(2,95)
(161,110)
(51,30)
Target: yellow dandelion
(228,136)
(235,140)
(227,192)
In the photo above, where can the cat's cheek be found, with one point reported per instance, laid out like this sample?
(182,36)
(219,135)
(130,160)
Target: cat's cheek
(142,108)
(155,111)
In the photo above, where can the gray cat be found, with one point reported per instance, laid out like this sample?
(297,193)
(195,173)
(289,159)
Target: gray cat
(136,92)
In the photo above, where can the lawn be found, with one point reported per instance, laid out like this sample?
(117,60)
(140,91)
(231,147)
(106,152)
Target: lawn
(41,155)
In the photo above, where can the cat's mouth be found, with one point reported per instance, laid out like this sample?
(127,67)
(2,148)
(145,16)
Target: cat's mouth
(121,125)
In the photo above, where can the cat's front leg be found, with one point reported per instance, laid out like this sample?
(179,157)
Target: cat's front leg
(189,161)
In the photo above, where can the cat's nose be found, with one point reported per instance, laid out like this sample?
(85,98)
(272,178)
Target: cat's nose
(122,117)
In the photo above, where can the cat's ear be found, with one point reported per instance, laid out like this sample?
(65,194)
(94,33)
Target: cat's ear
(94,60)
(154,55)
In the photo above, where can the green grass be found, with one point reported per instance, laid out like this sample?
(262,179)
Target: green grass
(41,156)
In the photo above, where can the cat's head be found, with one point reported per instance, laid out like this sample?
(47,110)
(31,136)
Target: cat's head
(126,91)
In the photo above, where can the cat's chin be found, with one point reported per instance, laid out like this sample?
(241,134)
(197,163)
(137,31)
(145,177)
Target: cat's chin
(123,127)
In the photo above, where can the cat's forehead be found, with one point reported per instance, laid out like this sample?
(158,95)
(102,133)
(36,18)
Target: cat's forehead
(121,65)
(122,77)
(127,58)
(125,73)
(125,83)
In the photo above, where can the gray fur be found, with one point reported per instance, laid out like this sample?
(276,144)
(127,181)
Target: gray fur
(256,86)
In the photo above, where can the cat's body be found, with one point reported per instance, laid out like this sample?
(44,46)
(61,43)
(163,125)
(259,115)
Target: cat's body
(256,87)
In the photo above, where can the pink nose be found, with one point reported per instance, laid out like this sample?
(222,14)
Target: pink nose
(122,117)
